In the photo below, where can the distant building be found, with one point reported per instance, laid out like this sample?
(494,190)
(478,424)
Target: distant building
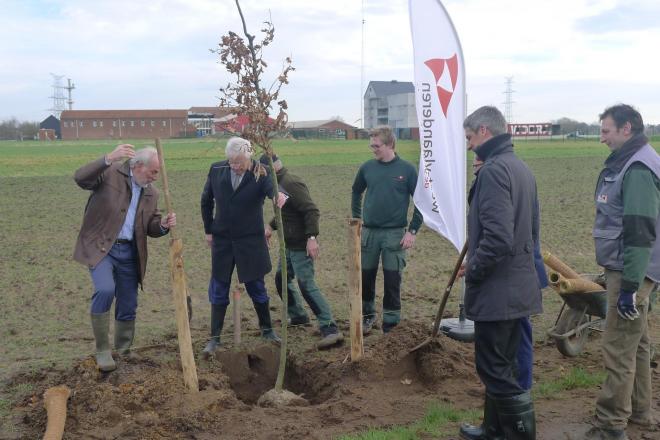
(534,129)
(51,123)
(322,129)
(125,124)
(204,119)
(391,103)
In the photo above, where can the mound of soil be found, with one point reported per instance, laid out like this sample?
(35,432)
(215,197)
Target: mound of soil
(145,397)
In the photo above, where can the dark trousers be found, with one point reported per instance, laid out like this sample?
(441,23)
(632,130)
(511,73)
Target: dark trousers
(219,291)
(116,277)
(525,354)
(496,346)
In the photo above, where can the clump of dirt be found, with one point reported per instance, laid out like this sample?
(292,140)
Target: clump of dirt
(145,397)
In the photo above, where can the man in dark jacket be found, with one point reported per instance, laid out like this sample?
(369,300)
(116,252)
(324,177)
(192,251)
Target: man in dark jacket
(120,213)
(300,218)
(235,189)
(625,233)
(502,286)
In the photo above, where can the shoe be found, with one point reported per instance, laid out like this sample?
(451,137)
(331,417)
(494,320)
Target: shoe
(270,335)
(211,347)
(330,336)
(368,323)
(596,433)
(298,320)
(387,326)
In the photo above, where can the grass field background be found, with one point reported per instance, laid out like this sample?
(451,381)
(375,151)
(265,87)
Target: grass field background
(46,295)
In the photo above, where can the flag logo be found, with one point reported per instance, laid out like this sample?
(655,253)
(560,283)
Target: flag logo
(445,71)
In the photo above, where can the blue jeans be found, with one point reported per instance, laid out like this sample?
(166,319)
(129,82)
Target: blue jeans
(300,267)
(116,276)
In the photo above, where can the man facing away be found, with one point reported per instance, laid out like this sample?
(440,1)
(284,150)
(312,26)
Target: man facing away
(502,286)
(390,183)
(625,232)
(121,212)
(300,217)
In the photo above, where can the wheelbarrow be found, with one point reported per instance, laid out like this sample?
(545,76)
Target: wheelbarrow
(580,315)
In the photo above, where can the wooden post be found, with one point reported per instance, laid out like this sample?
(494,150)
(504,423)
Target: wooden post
(355,287)
(179,290)
(237,315)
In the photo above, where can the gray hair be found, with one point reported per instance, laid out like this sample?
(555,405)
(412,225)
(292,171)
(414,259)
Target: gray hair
(143,156)
(487,116)
(237,146)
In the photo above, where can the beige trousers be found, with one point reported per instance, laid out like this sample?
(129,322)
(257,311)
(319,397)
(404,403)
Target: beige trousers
(626,391)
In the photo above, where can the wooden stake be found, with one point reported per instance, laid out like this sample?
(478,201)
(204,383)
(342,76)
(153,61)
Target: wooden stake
(180,291)
(355,287)
(237,315)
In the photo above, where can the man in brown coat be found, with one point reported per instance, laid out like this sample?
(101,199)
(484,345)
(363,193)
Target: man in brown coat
(121,211)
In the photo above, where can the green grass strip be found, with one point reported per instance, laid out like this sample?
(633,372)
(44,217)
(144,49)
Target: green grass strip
(576,378)
(437,417)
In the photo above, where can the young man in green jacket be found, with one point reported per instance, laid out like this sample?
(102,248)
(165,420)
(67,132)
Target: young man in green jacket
(300,217)
(390,183)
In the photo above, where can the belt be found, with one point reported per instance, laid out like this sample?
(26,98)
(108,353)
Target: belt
(123,241)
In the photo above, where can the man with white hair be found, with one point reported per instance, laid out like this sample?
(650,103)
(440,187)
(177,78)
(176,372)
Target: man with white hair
(232,212)
(120,213)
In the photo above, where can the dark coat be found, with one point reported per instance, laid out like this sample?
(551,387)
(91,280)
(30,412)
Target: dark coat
(106,211)
(300,215)
(503,225)
(238,224)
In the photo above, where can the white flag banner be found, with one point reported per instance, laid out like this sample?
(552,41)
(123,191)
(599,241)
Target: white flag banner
(440,103)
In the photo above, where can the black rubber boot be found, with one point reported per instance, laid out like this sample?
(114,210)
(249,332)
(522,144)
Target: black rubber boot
(124,334)
(368,299)
(489,429)
(218,313)
(516,416)
(265,324)
(391,299)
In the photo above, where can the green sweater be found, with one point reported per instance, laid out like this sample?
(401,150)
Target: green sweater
(389,187)
(641,205)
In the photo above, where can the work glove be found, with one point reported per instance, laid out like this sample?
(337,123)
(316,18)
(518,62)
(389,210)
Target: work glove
(625,306)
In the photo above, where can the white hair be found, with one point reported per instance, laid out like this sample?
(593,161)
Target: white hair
(237,146)
(143,156)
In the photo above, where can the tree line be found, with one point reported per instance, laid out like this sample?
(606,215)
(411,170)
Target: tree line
(13,129)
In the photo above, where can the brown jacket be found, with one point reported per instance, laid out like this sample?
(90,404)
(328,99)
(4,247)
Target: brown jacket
(106,210)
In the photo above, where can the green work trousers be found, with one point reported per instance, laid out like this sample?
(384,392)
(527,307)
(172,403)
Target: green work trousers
(626,392)
(383,244)
(300,268)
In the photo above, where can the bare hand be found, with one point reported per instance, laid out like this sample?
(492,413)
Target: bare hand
(407,241)
(312,248)
(121,152)
(168,221)
(461,271)
(268,232)
(209,240)
(281,199)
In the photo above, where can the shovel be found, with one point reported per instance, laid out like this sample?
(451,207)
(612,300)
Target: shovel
(441,309)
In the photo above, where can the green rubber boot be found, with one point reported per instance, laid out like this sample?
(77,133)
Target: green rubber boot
(124,334)
(101,328)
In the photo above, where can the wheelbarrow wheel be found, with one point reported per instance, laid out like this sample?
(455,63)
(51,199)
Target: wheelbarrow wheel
(569,320)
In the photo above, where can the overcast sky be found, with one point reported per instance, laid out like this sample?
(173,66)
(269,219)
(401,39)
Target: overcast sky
(567,57)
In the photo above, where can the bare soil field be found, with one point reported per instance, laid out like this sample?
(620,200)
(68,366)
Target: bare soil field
(47,338)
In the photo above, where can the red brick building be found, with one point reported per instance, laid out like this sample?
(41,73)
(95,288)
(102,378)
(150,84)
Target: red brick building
(324,129)
(125,124)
